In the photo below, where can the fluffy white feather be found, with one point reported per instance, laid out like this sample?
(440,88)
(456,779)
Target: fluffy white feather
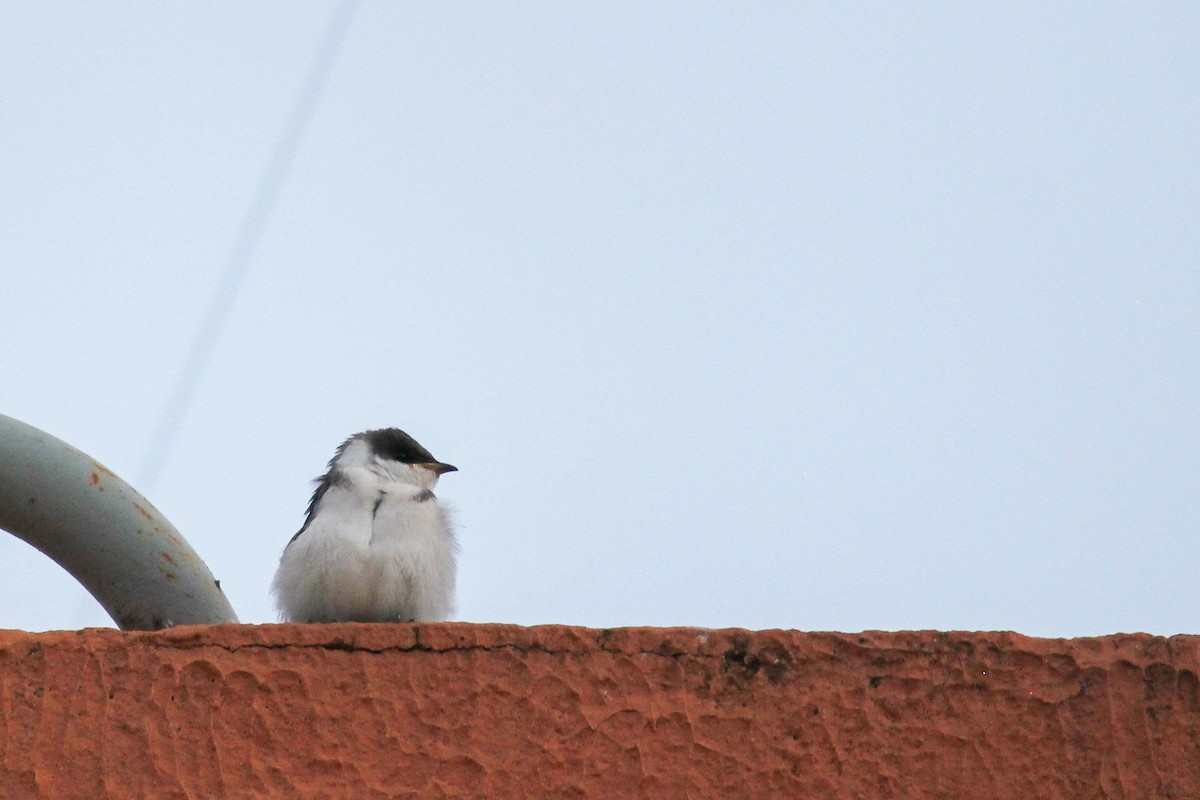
(378,546)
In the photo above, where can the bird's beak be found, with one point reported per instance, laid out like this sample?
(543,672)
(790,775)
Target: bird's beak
(440,468)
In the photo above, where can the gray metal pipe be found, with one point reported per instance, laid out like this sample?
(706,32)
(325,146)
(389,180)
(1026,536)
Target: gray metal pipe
(73,509)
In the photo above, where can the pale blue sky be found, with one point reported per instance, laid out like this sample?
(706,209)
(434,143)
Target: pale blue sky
(816,316)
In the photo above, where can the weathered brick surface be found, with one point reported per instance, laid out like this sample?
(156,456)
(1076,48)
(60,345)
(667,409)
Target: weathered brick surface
(497,711)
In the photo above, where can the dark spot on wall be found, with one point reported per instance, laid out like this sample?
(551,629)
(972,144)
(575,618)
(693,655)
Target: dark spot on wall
(1159,680)
(1189,690)
(772,660)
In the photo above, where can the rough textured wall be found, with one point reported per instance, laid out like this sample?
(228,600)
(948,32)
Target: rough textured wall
(497,711)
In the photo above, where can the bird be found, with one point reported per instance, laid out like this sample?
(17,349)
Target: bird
(376,545)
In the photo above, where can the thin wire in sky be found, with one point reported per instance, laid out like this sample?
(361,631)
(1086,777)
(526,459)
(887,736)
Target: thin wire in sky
(237,264)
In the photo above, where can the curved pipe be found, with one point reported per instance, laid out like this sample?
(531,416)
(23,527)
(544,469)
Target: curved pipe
(134,562)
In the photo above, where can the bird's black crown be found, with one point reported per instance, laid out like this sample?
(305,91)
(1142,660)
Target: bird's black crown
(396,445)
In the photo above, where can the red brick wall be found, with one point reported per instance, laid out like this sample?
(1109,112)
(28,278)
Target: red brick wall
(496,711)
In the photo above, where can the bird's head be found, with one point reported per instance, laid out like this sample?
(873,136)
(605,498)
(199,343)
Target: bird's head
(394,454)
